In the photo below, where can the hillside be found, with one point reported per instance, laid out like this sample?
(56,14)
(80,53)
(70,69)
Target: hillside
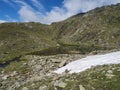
(95,30)
(98,27)
(31,52)
(20,38)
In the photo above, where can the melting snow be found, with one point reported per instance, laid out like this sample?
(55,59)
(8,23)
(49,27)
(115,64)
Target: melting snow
(85,63)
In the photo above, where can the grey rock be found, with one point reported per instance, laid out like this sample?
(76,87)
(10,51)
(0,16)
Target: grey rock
(60,84)
(25,88)
(38,67)
(62,63)
(44,87)
(16,85)
(110,71)
(109,76)
(81,87)
(13,73)
(56,60)
(2,71)
(36,78)
(5,77)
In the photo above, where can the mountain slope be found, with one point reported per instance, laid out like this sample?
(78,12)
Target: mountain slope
(27,60)
(20,38)
(100,26)
(98,29)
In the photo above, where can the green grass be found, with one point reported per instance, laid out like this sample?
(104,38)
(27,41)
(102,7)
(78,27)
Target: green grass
(17,65)
(17,39)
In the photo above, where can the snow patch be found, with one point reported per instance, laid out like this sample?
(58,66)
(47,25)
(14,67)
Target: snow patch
(86,63)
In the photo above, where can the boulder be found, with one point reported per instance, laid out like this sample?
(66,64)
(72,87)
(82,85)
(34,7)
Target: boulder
(81,87)
(60,84)
(63,63)
(44,87)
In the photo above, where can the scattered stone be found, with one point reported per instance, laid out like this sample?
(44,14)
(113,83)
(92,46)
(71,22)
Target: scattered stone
(41,69)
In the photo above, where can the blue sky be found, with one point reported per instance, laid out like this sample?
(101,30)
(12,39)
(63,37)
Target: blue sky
(46,11)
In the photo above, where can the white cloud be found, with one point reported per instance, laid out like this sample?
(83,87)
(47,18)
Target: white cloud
(55,15)
(2,21)
(37,4)
(69,8)
(26,14)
